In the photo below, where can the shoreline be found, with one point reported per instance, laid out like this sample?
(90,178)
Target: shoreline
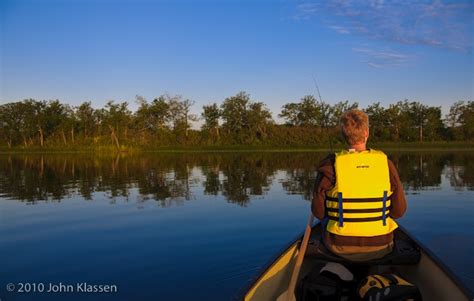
(389,147)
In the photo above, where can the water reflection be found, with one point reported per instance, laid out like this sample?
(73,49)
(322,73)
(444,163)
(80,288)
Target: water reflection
(169,178)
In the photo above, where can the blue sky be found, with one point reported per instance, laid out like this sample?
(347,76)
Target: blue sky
(363,51)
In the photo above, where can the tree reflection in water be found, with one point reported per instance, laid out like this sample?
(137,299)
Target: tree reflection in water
(175,178)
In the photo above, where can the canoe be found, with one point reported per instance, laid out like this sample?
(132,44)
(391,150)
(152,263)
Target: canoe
(410,259)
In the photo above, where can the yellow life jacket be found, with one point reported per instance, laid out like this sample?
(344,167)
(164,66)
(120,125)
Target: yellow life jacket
(359,202)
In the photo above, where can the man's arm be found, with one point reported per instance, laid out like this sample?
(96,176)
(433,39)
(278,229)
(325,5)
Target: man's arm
(399,203)
(324,182)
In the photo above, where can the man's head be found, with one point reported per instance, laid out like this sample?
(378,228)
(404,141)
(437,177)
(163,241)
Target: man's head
(355,127)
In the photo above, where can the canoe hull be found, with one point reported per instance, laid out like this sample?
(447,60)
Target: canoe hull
(433,278)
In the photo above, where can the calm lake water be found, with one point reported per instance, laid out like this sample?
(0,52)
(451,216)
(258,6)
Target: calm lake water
(192,226)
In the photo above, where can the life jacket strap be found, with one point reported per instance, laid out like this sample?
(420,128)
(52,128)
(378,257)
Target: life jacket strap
(341,211)
(356,219)
(384,202)
(371,210)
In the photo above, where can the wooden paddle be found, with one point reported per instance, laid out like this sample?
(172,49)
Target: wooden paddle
(289,295)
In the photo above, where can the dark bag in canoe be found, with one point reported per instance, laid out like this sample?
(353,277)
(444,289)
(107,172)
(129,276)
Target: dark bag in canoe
(325,286)
(387,287)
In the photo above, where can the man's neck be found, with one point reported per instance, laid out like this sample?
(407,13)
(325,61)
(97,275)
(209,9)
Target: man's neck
(358,147)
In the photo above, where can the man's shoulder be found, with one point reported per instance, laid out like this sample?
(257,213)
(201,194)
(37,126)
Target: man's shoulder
(328,160)
(391,167)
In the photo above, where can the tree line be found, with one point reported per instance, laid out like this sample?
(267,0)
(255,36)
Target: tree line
(167,120)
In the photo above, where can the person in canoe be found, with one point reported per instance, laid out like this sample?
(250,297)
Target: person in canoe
(357,195)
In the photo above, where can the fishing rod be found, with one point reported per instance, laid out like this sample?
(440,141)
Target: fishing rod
(317,88)
(324,109)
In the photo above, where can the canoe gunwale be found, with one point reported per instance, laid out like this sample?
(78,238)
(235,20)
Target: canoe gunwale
(274,259)
(440,264)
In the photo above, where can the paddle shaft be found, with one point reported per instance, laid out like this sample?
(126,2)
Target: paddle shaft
(299,259)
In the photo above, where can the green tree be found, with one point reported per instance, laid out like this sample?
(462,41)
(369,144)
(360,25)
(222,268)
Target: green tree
(418,115)
(186,115)
(153,116)
(11,123)
(461,120)
(395,120)
(378,121)
(55,116)
(305,113)
(433,127)
(26,115)
(259,117)
(235,117)
(211,114)
(70,122)
(41,119)
(116,117)
(87,119)
(180,115)
(290,113)
(467,120)
(309,111)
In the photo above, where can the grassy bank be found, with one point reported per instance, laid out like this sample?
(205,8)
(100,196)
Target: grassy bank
(427,146)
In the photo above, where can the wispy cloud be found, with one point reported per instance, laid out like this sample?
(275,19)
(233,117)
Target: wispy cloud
(305,11)
(446,24)
(382,58)
(374,65)
(340,29)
